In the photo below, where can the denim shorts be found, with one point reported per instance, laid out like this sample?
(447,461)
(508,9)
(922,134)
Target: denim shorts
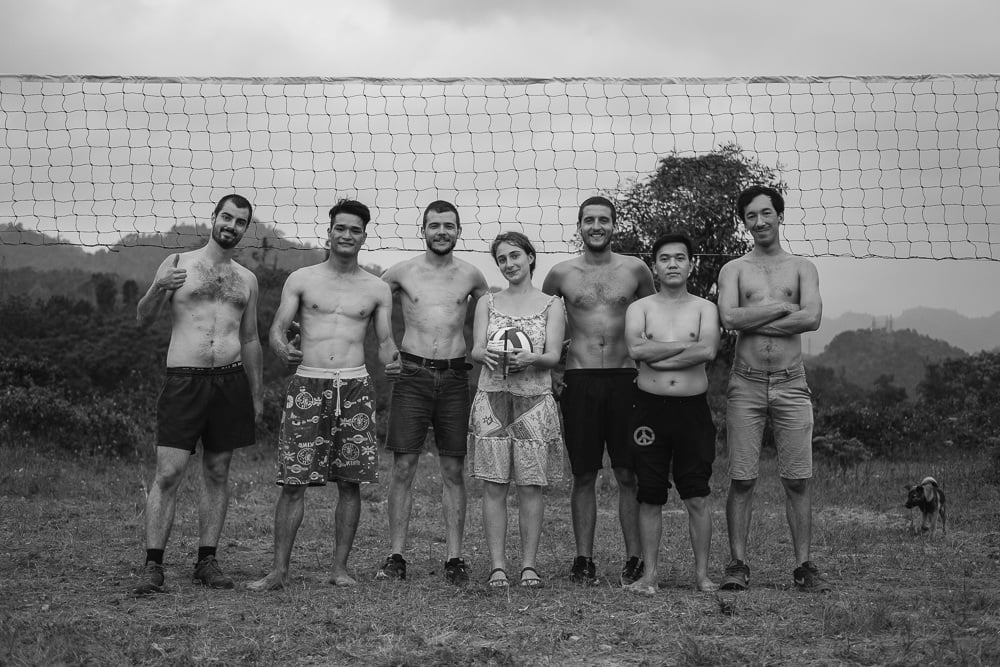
(754,396)
(425,397)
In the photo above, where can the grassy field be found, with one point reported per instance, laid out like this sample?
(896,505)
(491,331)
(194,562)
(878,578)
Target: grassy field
(73,539)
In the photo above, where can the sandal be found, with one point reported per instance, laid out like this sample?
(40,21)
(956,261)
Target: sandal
(498,582)
(534,581)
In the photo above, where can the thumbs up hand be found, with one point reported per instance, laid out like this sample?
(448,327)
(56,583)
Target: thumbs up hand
(172,278)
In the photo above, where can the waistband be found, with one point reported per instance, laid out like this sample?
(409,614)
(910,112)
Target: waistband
(601,372)
(696,399)
(456,364)
(791,371)
(235,367)
(332,373)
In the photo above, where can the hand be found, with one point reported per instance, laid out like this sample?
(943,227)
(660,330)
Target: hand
(792,308)
(519,359)
(393,368)
(289,353)
(173,278)
(492,358)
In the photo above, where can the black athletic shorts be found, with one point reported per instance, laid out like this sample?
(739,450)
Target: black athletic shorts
(672,432)
(596,405)
(213,404)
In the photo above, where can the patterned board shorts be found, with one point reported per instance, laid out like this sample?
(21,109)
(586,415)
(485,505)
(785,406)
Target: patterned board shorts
(328,428)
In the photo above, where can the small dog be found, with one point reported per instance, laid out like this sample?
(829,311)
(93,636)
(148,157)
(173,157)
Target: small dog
(929,497)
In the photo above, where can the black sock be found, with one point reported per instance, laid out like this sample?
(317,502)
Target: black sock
(205,552)
(154,556)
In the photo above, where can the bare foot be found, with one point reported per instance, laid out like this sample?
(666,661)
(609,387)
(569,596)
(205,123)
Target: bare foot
(343,579)
(642,586)
(706,585)
(272,582)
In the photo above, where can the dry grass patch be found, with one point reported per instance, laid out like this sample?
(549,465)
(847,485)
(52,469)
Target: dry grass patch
(74,528)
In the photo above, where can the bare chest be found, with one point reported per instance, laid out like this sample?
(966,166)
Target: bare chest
(215,284)
(599,289)
(675,324)
(761,283)
(446,291)
(343,301)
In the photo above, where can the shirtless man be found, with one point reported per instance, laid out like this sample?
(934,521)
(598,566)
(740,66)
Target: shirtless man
(597,287)
(328,425)
(433,386)
(213,390)
(672,334)
(770,297)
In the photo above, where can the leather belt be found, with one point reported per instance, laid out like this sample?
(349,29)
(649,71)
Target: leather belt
(458,364)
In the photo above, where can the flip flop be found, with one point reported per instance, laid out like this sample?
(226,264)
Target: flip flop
(531,582)
(498,583)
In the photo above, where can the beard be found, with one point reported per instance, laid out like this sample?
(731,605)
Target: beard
(597,246)
(223,242)
(441,252)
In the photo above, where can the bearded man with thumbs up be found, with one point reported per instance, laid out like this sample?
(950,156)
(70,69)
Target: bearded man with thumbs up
(213,389)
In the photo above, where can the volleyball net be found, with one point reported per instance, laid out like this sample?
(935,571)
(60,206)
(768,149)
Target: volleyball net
(896,167)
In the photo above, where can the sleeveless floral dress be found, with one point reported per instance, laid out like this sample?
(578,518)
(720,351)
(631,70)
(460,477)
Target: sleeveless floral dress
(514,432)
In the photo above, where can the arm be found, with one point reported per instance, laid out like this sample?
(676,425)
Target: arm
(480,325)
(737,318)
(555,327)
(288,307)
(701,351)
(168,278)
(553,280)
(810,312)
(479,285)
(250,350)
(391,278)
(641,348)
(644,278)
(388,354)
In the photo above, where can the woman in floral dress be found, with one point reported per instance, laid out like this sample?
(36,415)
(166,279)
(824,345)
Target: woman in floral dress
(514,431)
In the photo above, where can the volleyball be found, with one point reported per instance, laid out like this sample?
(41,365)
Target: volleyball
(509,339)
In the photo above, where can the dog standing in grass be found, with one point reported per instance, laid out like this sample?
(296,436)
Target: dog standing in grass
(929,498)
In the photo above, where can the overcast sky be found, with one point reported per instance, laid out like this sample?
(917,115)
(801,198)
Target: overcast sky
(542,38)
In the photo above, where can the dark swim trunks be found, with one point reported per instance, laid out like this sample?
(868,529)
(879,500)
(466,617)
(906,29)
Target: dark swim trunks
(213,404)
(596,406)
(672,435)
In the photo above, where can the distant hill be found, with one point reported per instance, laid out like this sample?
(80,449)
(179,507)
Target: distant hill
(136,256)
(972,334)
(863,355)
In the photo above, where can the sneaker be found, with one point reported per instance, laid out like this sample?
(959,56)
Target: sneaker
(807,578)
(207,573)
(584,571)
(152,576)
(632,571)
(395,568)
(455,572)
(737,576)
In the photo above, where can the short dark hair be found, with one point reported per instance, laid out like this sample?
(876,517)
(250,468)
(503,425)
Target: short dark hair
(354,208)
(441,206)
(515,239)
(754,191)
(672,238)
(597,200)
(239,201)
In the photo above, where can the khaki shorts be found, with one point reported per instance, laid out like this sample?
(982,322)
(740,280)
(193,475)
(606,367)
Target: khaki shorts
(754,396)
